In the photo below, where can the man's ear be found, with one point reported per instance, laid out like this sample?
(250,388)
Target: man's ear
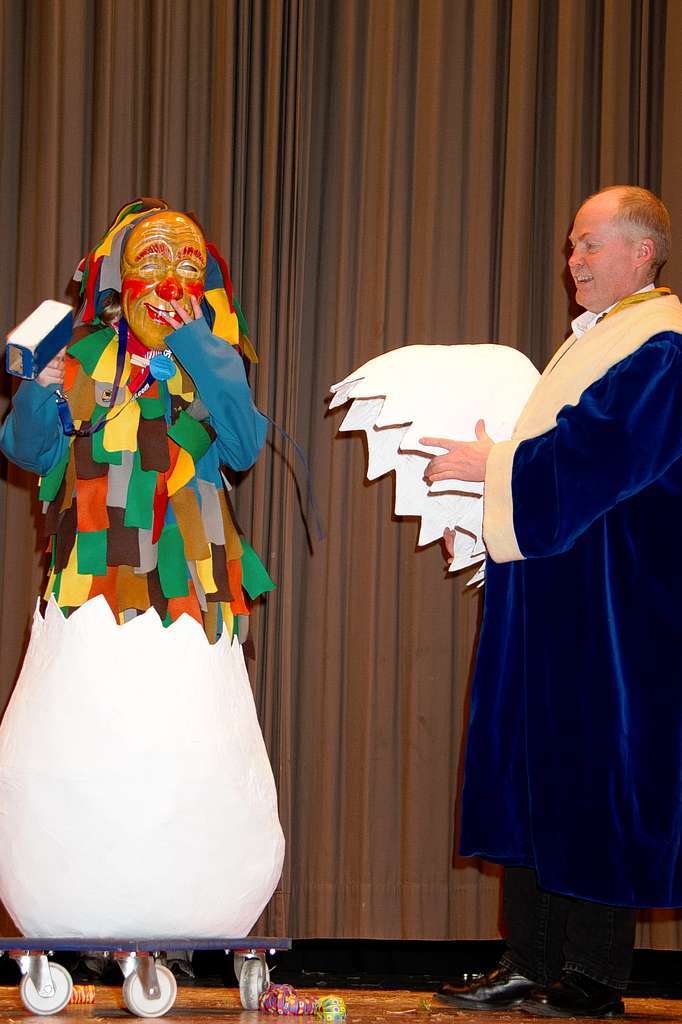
(646,251)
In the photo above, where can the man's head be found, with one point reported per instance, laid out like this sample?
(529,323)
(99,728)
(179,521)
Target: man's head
(620,238)
(164,260)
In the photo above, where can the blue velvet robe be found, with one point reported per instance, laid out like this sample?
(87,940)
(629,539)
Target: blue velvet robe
(574,755)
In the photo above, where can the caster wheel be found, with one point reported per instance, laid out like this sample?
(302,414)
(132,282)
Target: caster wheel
(45,1005)
(254,978)
(238,962)
(139,1003)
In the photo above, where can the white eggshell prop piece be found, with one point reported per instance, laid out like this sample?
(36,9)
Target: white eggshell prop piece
(136,795)
(435,391)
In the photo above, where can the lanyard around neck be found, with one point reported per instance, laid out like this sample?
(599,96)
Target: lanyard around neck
(633,300)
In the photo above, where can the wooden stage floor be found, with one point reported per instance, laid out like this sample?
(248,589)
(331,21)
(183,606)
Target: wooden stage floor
(365,1006)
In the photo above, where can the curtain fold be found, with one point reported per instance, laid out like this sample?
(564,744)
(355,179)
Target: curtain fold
(378,173)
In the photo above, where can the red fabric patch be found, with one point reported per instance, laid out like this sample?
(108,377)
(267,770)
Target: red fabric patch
(135,346)
(70,370)
(174,452)
(189,605)
(161,492)
(90,287)
(234,574)
(106,585)
(160,506)
(137,377)
(91,504)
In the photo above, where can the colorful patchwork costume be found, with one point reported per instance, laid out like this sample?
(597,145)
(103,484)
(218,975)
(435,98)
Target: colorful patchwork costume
(135,501)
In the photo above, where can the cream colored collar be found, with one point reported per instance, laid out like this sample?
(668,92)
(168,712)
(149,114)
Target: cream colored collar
(583,360)
(588,319)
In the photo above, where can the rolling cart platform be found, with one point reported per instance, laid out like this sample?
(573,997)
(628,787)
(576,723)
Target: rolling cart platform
(149,988)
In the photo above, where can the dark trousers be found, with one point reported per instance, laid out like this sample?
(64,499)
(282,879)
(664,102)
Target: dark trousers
(548,933)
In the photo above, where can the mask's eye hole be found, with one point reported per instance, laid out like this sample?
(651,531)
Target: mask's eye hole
(189,267)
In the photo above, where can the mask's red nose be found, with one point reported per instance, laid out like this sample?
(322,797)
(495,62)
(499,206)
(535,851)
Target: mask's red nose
(169,289)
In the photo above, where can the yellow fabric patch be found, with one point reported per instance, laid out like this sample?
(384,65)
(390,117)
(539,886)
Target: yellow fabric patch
(50,584)
(120,433)
(205,574)
(181,384)
(105,371)
(182,474)
(248,349)
(226,323)
(228,617)
(74,589)
(233,545)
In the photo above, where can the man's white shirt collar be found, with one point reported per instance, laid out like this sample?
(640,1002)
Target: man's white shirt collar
(588,319)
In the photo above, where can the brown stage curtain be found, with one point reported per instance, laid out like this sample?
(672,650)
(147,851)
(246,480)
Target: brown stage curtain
(379,172)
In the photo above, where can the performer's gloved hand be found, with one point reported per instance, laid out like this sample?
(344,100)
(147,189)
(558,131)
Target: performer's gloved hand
(463,460)
(53,373)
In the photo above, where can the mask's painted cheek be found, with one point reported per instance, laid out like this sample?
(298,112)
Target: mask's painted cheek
(133,287)
(195,289)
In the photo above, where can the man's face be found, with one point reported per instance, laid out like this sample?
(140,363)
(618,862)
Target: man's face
(606,262)
(164,259)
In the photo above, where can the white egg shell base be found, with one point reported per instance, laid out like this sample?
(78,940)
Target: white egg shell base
(136,795)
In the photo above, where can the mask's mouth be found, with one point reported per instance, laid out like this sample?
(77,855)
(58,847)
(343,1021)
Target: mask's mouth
(158,315)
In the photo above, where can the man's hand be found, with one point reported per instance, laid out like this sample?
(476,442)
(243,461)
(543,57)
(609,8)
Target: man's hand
(464,460)
(53,373)
(182,317)
(449,542)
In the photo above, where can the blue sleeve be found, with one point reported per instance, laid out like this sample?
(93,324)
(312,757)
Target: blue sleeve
(32,435)
(217,370)
(624,433)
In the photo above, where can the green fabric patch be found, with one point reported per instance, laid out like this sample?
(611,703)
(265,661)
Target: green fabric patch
(99,452)
(125,212)
(84,278)
(88,350)
(91,553)
(241,319)
(255,577)
(172,565)
(151,408)
(56,586)
(140,497)
(190,435)
(52,481)
(167,620)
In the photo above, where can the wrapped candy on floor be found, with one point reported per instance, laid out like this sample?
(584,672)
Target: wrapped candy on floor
(136,795)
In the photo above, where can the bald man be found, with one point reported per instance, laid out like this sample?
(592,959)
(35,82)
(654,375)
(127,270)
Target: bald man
(574,759)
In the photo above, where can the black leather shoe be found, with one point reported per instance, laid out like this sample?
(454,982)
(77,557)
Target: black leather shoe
(574,995)
(497,990)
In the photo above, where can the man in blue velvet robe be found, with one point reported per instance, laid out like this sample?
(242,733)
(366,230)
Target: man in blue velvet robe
(574,755)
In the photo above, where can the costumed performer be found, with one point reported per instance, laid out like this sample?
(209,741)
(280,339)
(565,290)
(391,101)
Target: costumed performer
(132,490)
(128,430)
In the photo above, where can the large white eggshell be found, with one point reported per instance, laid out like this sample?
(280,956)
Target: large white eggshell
(136,795)
(438,391)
